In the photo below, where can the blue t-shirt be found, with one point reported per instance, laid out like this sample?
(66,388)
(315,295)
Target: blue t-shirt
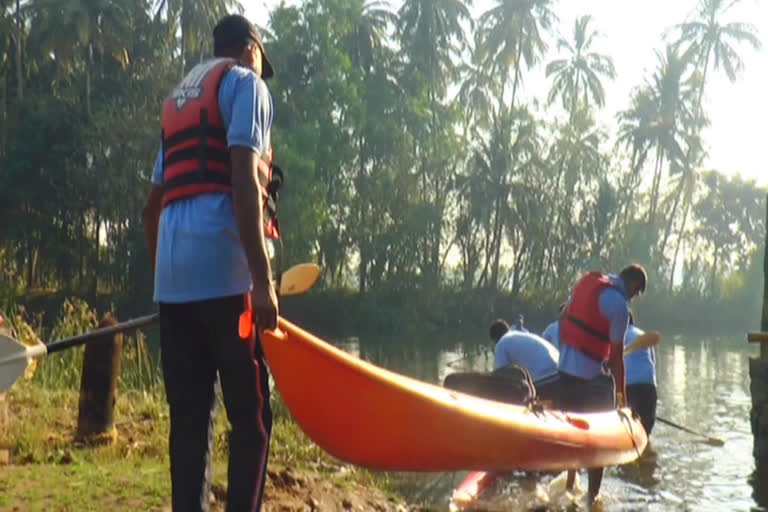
(640,366)
(614,306)
(527,350)
(552,334)
(199,253)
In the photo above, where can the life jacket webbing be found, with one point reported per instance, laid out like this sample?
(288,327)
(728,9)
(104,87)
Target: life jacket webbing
(585,327)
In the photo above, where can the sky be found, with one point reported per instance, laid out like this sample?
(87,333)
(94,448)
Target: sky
(738,112)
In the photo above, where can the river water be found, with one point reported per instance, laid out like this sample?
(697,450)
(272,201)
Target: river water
(703,383)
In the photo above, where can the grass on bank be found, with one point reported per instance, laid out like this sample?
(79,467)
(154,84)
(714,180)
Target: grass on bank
(47,471)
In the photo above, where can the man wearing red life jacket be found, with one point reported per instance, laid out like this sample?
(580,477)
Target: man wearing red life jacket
(593,326)
(206,219)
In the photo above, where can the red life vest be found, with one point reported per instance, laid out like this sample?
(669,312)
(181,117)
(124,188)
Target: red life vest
(195,153)
(583,326)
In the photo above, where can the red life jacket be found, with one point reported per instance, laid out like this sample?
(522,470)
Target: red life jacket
(195,153)
(583,326)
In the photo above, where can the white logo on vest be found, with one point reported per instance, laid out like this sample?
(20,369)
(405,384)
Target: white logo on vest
(192,85)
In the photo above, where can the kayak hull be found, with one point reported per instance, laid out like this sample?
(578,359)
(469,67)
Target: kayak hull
(359,413)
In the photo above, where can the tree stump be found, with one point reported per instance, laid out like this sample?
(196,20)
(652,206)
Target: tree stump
(98,388)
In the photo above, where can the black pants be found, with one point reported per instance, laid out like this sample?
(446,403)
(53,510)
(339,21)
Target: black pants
(585,395)
(642,398)
(199,340)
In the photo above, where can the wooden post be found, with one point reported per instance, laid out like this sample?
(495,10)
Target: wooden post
(98,385)
(764,318)
(758,373)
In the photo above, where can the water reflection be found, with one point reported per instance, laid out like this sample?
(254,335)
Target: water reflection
(703,383)
(642,472)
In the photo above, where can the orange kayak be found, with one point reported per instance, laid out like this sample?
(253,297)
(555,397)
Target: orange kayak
(379,419)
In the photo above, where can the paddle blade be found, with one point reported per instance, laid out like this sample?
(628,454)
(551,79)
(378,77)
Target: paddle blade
(299,278)
(245,326)
(14,359)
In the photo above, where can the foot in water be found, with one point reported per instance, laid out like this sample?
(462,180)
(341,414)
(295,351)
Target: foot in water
(595,503)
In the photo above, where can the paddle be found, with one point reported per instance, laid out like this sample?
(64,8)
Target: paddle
(15,357)
(714,441)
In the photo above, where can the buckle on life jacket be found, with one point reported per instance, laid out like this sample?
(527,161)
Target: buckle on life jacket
(276,182)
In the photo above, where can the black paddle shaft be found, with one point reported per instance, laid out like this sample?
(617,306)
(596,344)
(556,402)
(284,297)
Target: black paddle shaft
(98,333)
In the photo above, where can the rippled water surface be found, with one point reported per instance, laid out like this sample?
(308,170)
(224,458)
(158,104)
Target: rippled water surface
(703,383)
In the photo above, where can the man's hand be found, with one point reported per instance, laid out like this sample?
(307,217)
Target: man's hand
(265,309)
(616,364)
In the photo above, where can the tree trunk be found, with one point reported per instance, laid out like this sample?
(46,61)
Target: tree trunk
(574,99)
(679,242)
(82,244)
(88,69)
(4,116)
(655,188)
(517,73)
(713,283)
(558,215)
(97,261)
(497,231)
(183,55)
(30,265)
(361,212)
(699,112)
(19,37)
(671,220)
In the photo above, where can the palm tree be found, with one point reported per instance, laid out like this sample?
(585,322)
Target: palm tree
(661,114)
(77,30)
(713,42)
(19,38)
(684,194)
(510,32)
(366,43)
(6,41)
(578,76)
(368,38)
(431,33)
(511,147)
(196,20)
(575,156)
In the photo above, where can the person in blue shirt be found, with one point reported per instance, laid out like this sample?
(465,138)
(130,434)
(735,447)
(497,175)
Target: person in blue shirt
(592,333)
(552,331)
(641,377)
(210,260)
(516,346)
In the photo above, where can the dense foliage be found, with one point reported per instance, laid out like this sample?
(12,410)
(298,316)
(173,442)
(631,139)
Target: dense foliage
(417,175)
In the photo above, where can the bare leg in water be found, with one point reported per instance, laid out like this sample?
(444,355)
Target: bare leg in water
(595,477)
(570,480)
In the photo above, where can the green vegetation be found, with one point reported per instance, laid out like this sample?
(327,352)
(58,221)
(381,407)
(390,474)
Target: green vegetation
(418,175)
(48,471)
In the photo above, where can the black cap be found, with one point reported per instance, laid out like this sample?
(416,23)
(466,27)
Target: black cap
(234,29)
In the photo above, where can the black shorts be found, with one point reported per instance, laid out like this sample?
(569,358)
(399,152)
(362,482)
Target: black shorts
(585,395)
(642,398)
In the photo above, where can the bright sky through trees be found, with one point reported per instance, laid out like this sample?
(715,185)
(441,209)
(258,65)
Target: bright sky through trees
(631,32)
